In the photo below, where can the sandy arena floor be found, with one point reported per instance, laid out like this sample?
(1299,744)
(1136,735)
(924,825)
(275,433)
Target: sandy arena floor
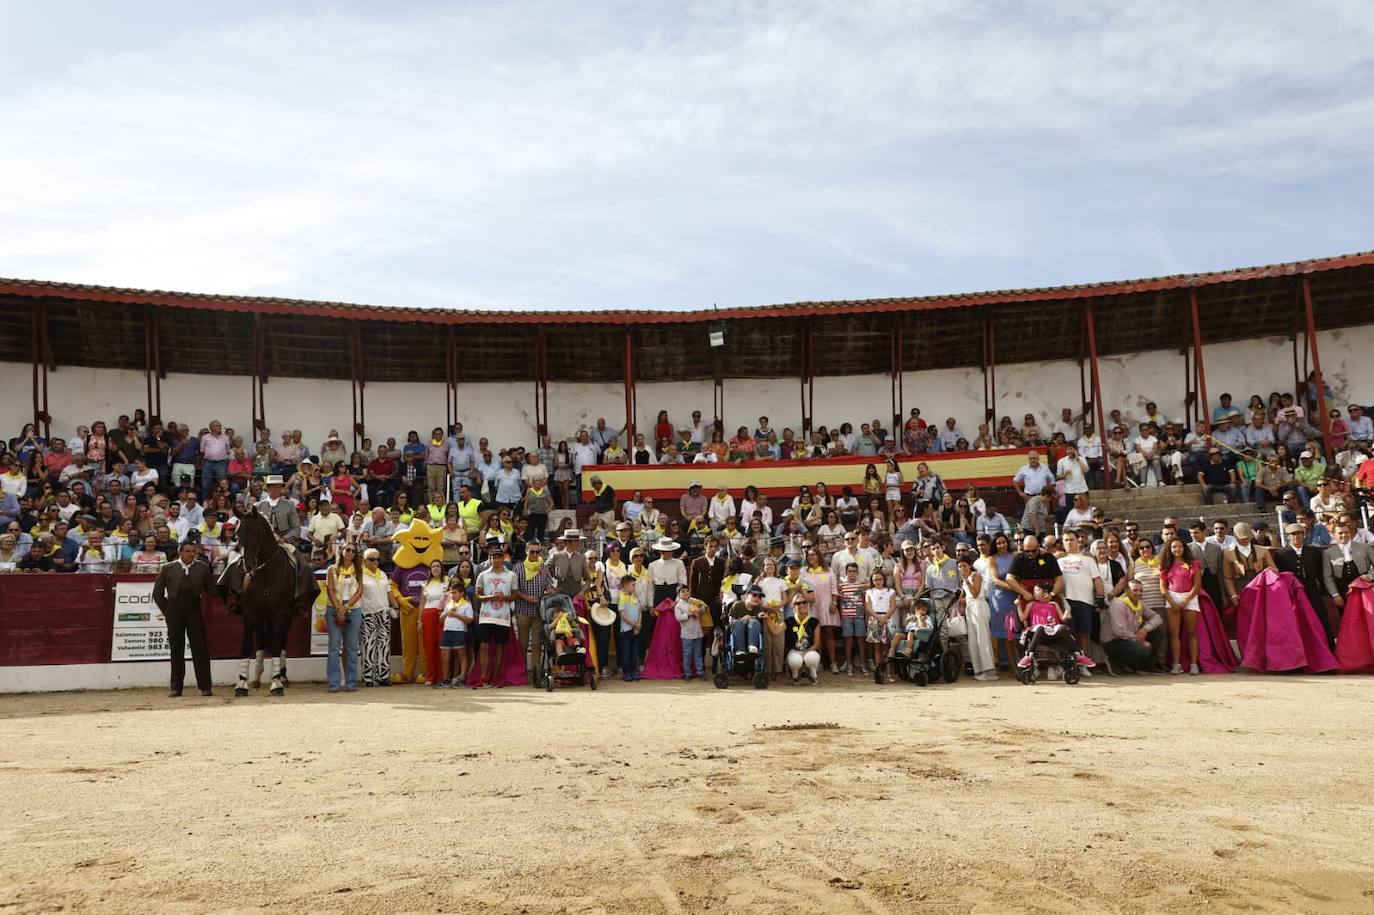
(1212,794)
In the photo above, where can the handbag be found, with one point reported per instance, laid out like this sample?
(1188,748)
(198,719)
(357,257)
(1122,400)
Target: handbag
(956,626)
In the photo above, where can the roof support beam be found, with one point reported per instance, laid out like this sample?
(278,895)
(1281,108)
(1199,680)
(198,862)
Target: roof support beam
(42,358)
(152,361)
(359,382)
(258,357)
(1090,331)
(1317,380)
(808,377)
(450,377)
(897,373)
(1205,404)
(541,382)
(990,370)
(630,385)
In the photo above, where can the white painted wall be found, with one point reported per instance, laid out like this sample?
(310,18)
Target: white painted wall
(505,413)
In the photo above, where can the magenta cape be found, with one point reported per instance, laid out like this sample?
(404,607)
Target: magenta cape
(512,671)
(664,660)
(1214,653)
(1355,644)
(1277,629)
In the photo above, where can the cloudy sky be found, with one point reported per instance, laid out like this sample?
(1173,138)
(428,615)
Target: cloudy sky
(677,154)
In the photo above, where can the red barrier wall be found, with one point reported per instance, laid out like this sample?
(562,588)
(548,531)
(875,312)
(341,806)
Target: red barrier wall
(69,619)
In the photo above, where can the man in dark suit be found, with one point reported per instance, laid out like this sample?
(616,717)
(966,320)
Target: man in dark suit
(706,574)
(1305,562)
(177,591)
(1346,560)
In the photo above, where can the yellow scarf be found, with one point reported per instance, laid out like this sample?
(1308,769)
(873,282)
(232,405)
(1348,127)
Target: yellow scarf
(597,491)
(532,569)
(436,442)
(799,624)
(1135,608)
(537,492)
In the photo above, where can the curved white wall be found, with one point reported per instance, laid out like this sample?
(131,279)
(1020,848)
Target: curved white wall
(504,412)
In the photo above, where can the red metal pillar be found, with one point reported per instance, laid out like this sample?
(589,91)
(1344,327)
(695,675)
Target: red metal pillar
(1316,366)
(895,370)
(259,358)
(630,385)
(358,379)
(41,360)
(1197,356)
(1091,329)
(991,326)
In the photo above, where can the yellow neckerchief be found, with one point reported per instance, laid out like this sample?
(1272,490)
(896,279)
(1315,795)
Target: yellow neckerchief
(816,570)
(727,583)
(616,567)
(636,575)
(1134,607)
(210,532)
(731,531)
(1152,562)
(436,442)
(507,528)
(696,526)
(596,491)
(343,570)
(536,491)
(377,574)
(799,627)
(532,568)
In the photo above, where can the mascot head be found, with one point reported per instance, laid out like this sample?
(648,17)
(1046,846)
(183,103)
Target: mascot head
(417,545)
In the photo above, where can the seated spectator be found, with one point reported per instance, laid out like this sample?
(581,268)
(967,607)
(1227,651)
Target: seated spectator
(1131,631)
(1217,479)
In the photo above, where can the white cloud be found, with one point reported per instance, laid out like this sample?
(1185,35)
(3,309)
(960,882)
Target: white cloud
(509,157)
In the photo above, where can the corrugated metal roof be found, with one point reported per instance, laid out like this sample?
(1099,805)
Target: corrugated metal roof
(276,305)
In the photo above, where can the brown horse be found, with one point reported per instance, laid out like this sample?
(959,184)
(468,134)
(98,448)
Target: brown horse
(268,599)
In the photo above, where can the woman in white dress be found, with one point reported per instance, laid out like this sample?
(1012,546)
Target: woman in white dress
(978,616)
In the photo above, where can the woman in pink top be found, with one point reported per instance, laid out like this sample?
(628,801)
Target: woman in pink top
(1180,578)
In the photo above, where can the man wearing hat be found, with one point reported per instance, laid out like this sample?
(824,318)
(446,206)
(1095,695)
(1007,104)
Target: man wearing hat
(333,450)
(668,573)
(1217,479)
(280,512)
(177,593)
(1242,562)
(568,566)
(692,505)
(622,540)
(746,621)
(1308,474)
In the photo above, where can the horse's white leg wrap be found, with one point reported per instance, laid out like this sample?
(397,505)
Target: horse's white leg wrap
(276,674)
(257,669)
(243,674)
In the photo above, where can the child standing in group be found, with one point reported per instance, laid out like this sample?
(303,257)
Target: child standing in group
(627,639)
(879,606)
(688,614)
(456,618)
(852,628)
(1042,617)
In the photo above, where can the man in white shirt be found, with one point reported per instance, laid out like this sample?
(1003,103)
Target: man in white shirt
(991,522)
(584,454)
(1082,586)
(1067,425)
(1034,483)
(950,435)
(191,509)
(177,522)
(720,509)
(95,555)
(698,430)
(851,553)
(1221,535)
(1073,470)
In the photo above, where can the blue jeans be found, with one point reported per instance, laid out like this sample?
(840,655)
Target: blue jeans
(746,633)
(345,636)
(627,650)
(691,651)
(211,472)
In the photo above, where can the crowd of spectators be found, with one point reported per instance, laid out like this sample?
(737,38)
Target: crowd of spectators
(120,498)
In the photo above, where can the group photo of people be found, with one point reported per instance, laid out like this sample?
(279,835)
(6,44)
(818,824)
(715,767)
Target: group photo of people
(890,577)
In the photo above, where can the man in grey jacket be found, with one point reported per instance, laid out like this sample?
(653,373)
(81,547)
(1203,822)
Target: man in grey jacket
(1130,630)
(1344,561)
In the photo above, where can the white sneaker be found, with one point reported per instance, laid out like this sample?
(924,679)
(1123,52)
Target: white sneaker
(834,668)
(1176,669)
(1193,669)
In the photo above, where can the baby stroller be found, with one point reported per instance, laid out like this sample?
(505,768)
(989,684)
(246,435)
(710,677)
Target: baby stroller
(573,667)
(1044,659)
(731,660)
(937,659)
